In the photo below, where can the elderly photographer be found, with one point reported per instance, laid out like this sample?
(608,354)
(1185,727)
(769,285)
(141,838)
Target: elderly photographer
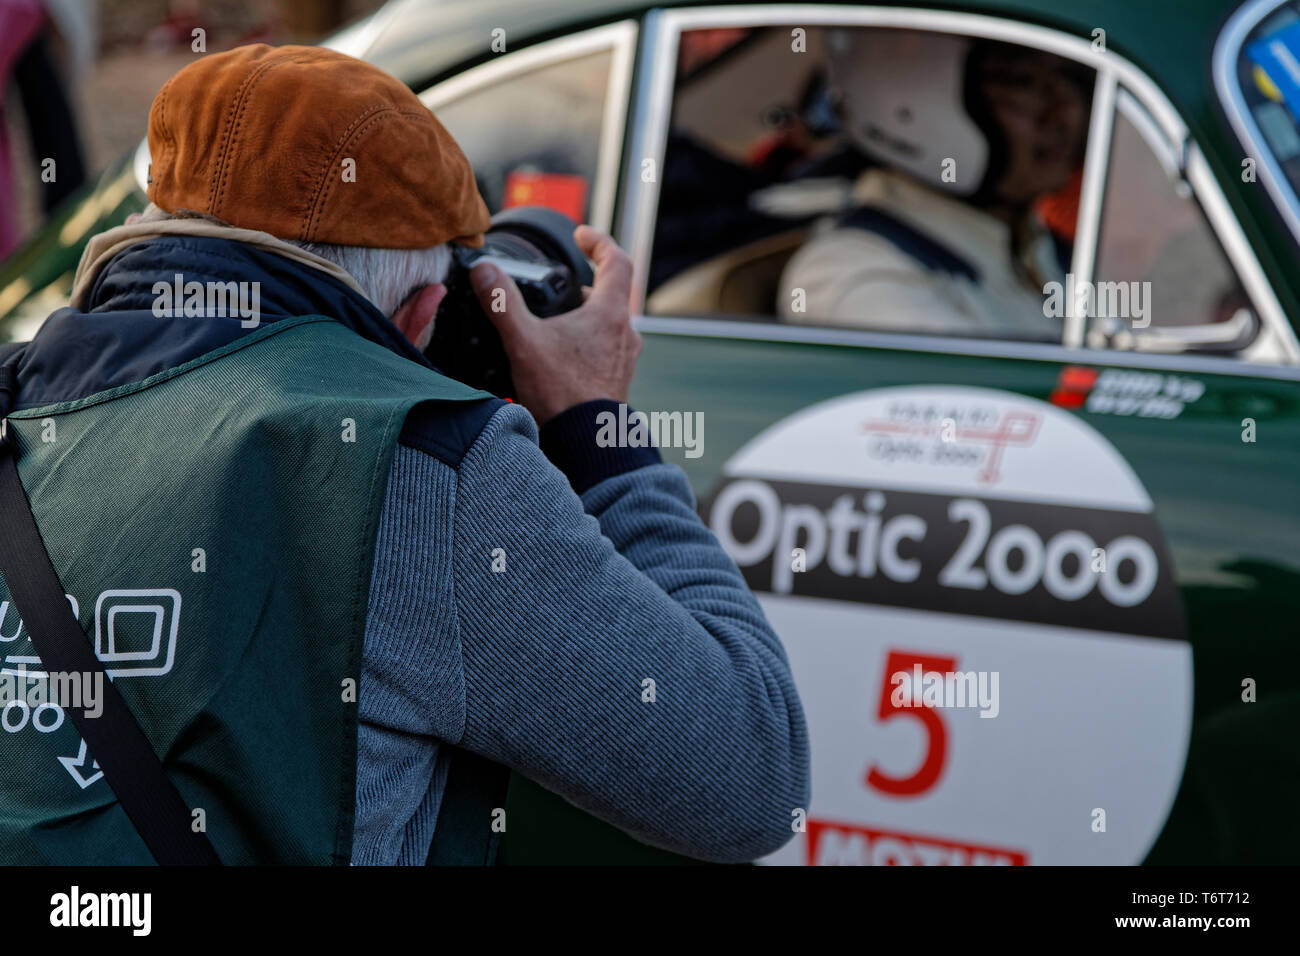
(387,585)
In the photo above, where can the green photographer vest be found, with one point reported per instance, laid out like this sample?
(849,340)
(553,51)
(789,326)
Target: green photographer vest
(214,528)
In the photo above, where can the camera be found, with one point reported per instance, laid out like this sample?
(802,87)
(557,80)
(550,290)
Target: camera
(534,246)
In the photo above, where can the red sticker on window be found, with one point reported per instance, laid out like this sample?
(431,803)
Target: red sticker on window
(1073,386)
(563,193)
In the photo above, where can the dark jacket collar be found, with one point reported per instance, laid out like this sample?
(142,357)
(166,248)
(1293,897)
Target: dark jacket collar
(119,339)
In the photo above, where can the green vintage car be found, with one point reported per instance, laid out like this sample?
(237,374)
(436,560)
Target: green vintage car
(986,319)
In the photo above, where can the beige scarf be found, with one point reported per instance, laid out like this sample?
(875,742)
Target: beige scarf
(109,243)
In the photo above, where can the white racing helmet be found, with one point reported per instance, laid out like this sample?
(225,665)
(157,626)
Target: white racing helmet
(903,103)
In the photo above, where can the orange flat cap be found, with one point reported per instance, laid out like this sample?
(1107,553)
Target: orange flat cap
(309,144)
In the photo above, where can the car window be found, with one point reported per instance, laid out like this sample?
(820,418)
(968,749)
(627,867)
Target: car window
(534,136)
(1162,280)
(870,178)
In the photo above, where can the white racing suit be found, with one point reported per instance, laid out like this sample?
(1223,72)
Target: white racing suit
(910,259)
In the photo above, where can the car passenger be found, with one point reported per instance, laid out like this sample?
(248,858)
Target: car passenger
(942,236)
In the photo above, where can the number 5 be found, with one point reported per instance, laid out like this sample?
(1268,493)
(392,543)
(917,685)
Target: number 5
(927,775)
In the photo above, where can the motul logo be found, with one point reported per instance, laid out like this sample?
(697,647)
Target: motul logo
(832,844)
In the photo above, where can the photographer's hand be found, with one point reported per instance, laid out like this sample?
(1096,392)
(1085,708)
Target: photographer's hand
(583,355)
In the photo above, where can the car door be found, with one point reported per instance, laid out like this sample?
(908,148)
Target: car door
(1031,582)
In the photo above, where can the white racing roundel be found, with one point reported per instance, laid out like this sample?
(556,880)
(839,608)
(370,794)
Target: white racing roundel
(983,623)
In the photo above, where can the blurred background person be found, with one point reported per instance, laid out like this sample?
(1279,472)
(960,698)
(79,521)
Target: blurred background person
(77,85)
(30,34)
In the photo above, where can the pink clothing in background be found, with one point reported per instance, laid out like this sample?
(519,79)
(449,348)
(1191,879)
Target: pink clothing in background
(20,22)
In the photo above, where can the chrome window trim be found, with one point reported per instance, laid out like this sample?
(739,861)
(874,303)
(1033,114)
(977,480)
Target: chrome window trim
(357,39)
(1227,51)
(1167,154)
(741,330)
(650,125)
(650,113)
(1209,194)
(620,40)
(1185,161)
(1096,163)
(1214,204)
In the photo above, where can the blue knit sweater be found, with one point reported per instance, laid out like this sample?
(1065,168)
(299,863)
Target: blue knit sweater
(541,666)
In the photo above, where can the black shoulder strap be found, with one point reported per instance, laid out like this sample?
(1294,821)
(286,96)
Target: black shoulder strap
(464,835)
(908,239)
(113,739)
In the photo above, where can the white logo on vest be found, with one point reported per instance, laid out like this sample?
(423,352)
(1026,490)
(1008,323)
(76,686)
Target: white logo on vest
(135,636)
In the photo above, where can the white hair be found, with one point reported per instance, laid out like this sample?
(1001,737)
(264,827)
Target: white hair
(387,276)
